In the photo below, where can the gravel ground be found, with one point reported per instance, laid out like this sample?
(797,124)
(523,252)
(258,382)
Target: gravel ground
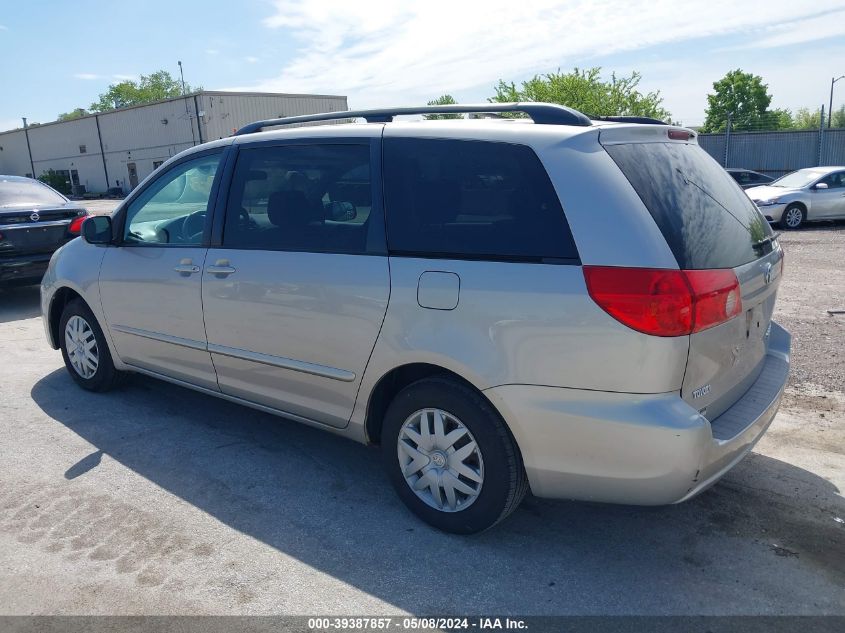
(814,284)
(157,500)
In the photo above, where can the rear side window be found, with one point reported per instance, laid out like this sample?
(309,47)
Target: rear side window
(707,220)
(472,199)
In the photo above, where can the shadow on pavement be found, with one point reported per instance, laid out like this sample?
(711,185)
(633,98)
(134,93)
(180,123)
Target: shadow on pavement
(324,500)
(19,302)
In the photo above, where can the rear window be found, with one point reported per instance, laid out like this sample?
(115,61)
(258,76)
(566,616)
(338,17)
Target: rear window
(472,199)
(707,220)
(23,192)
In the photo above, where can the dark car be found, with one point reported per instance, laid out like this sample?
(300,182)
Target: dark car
(747,178)
(35,220)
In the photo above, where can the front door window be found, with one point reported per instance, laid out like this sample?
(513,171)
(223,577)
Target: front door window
(174,209)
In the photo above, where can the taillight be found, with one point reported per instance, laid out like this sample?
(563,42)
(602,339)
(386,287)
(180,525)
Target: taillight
(716,297)
(665,302)
(75,227)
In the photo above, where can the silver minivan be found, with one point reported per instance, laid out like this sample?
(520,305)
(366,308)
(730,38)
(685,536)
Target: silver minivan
(581,308)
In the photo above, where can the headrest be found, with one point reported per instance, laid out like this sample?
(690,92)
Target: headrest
(292,209)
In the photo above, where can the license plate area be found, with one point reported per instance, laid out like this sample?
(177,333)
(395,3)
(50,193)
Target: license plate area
(34,238)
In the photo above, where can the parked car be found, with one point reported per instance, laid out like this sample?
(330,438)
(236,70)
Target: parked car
(579,307)
(806,195)
(35,220)
(747,178)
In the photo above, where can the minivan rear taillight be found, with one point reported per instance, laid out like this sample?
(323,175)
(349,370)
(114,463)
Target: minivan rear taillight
(664,302)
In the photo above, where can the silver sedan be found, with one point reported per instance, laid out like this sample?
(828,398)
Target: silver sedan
(806,195)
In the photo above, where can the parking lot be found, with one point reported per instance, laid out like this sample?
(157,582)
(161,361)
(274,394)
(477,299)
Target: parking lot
(153,499)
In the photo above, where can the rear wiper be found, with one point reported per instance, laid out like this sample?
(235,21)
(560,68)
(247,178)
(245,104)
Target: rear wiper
(770,238)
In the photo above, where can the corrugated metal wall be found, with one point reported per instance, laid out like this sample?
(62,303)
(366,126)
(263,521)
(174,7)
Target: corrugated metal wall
(223,113)
(145,135)
(777,153)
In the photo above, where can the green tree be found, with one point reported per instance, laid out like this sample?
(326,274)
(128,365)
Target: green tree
(585,90)
(73,114)
(155,87)
(443,100)
(838,119)
(56,181)
(746,99)
(806,119)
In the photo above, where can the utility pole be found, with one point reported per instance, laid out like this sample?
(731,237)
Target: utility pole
(727,138)
(182,75)
(187,112)
(830,107)
(28,147)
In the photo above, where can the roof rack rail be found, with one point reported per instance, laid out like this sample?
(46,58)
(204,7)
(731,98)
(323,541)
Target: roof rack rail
(629,119)
(547,113)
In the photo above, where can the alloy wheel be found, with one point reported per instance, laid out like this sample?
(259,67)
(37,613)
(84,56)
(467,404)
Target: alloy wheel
(793,218)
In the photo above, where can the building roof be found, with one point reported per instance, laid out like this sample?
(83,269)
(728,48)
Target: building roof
(212,93)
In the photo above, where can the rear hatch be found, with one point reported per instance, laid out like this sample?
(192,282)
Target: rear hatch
(708,223)
(34,229)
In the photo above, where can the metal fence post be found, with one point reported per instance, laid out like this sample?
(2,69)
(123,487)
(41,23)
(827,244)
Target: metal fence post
(727,139)
(821,135)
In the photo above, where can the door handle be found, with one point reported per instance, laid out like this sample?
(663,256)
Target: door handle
(221,268)
(186,267)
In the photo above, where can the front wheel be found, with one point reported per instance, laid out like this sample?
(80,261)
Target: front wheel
(450,457)
(793,217)
(84,349)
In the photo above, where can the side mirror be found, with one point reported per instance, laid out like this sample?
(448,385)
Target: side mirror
(820,185)
(97,229)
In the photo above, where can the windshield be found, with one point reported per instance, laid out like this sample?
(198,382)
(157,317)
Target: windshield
(24,192)
(797,179)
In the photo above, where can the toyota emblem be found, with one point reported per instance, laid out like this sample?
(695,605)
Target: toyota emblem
(35,217)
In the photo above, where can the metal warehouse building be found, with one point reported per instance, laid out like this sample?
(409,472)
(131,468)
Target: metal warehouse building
(122,147)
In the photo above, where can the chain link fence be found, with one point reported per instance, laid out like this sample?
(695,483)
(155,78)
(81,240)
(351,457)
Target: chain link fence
(776,153)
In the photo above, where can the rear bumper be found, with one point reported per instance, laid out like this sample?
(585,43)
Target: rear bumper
(24,269)
(643,449)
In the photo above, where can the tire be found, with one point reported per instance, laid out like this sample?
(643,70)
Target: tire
(99,375)
(793,217)
(495,459)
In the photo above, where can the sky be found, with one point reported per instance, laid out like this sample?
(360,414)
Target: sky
(389,53)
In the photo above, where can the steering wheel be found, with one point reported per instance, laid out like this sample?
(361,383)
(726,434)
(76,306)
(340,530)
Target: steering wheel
(192,226)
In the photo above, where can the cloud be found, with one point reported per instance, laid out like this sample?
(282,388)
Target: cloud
(212,51)
(812,29)
(3,27)
(401,51)
(251,59)
(86,76)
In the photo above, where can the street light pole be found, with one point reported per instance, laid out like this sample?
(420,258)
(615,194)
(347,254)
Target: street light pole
(830,106)
(182,75)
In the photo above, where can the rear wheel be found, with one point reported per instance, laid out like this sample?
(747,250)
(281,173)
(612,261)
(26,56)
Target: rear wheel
(84,349)
(793,217)
(450,457)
